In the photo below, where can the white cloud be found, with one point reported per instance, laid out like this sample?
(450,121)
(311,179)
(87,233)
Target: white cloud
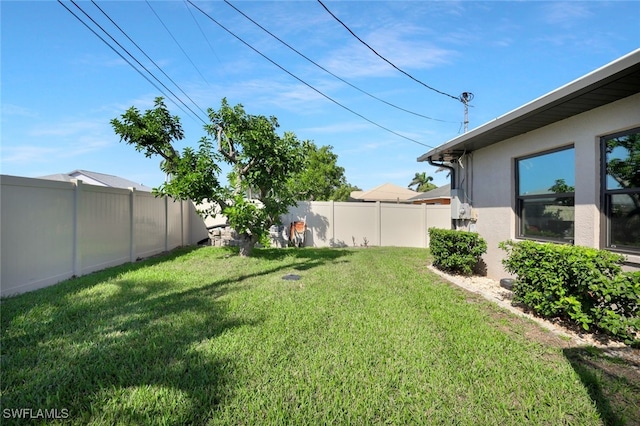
(339,128)
(47,142)
(566,13)
(17,110)
(68,128)
(402,46)
(27,154)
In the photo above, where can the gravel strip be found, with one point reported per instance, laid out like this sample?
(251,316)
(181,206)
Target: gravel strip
(492,291)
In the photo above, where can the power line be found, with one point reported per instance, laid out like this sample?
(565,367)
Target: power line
(174,39)
(202,32)
(148,57)
(123,57)
(132,57)
(385,59)
(304,82)
(329,72)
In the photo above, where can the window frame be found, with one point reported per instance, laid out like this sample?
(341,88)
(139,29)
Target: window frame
(520,199)
(606,196)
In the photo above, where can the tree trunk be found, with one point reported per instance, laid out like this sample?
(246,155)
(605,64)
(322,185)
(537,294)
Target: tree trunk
(247,242)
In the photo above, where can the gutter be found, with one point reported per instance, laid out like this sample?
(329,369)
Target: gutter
(453,170)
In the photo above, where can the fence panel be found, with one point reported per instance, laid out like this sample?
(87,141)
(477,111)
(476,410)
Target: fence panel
(403,225)
(438,216)
(318,216)
(36,233)
(53,230)
(150,215)
(103,227)
(343,224)
(356,224)
(175,221)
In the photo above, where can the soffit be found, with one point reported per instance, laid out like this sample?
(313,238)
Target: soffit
(594,90)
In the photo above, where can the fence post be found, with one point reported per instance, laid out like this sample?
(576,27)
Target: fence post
(332,222)
(166,223)
(77,200)
(181,223)
(378,223)
(425,243)
(132,224)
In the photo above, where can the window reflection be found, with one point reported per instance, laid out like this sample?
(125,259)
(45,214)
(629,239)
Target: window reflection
(546,185)
(624,221)
(548,218)
(622,190)
(623,161)
(547,174)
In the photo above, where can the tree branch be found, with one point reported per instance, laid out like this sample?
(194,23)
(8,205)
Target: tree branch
(248,167)
(231,155)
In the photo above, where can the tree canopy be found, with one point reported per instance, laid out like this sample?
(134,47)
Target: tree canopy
(560,186)
(624,169)
(321,179)
(422,183)
(259,159)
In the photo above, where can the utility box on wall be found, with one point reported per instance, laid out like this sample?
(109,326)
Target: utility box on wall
(459,209)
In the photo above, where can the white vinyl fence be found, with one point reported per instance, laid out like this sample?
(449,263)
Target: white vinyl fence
(342,224)
(51,231)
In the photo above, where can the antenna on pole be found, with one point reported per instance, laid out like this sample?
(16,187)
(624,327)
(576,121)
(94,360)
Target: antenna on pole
(465,98)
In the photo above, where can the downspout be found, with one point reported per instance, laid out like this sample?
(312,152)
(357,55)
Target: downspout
(452,169)
(454,222)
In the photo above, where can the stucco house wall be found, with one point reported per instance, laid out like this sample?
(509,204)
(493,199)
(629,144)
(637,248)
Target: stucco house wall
(483,162)
(492,170)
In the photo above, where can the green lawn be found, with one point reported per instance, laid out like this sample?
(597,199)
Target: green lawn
(365,336)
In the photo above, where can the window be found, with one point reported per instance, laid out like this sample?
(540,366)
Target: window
(545,196)
(621,190)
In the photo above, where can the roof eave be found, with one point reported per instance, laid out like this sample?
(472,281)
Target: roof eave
(625,70)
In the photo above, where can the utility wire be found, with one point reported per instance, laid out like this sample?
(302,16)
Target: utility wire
(202,32)
(304,82)
(124,58)
(385,59)
(149,58)
(174,39)
(332,74)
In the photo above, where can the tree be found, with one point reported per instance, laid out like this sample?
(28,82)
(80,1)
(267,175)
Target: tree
(422,182)
(259,158)
(320,174)
(623,167)
(343,192)
(321,179)
(560,187)
(626,170)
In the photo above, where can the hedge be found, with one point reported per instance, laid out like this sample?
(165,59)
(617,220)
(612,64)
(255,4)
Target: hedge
(456,251)
(581,284)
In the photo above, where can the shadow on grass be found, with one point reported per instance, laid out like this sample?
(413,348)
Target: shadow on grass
(317,255)
(123,351)
(614,386)
(304,259)
(78,283)
(108,348)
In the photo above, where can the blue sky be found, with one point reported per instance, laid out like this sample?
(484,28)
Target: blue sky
(61,85)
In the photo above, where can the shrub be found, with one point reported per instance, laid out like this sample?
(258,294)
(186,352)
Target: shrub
(456,251)
(582,284)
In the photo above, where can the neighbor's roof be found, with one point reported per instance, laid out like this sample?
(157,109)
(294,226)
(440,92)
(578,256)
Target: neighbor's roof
(106,180)
(384,192)
(443,191)
(614,81)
